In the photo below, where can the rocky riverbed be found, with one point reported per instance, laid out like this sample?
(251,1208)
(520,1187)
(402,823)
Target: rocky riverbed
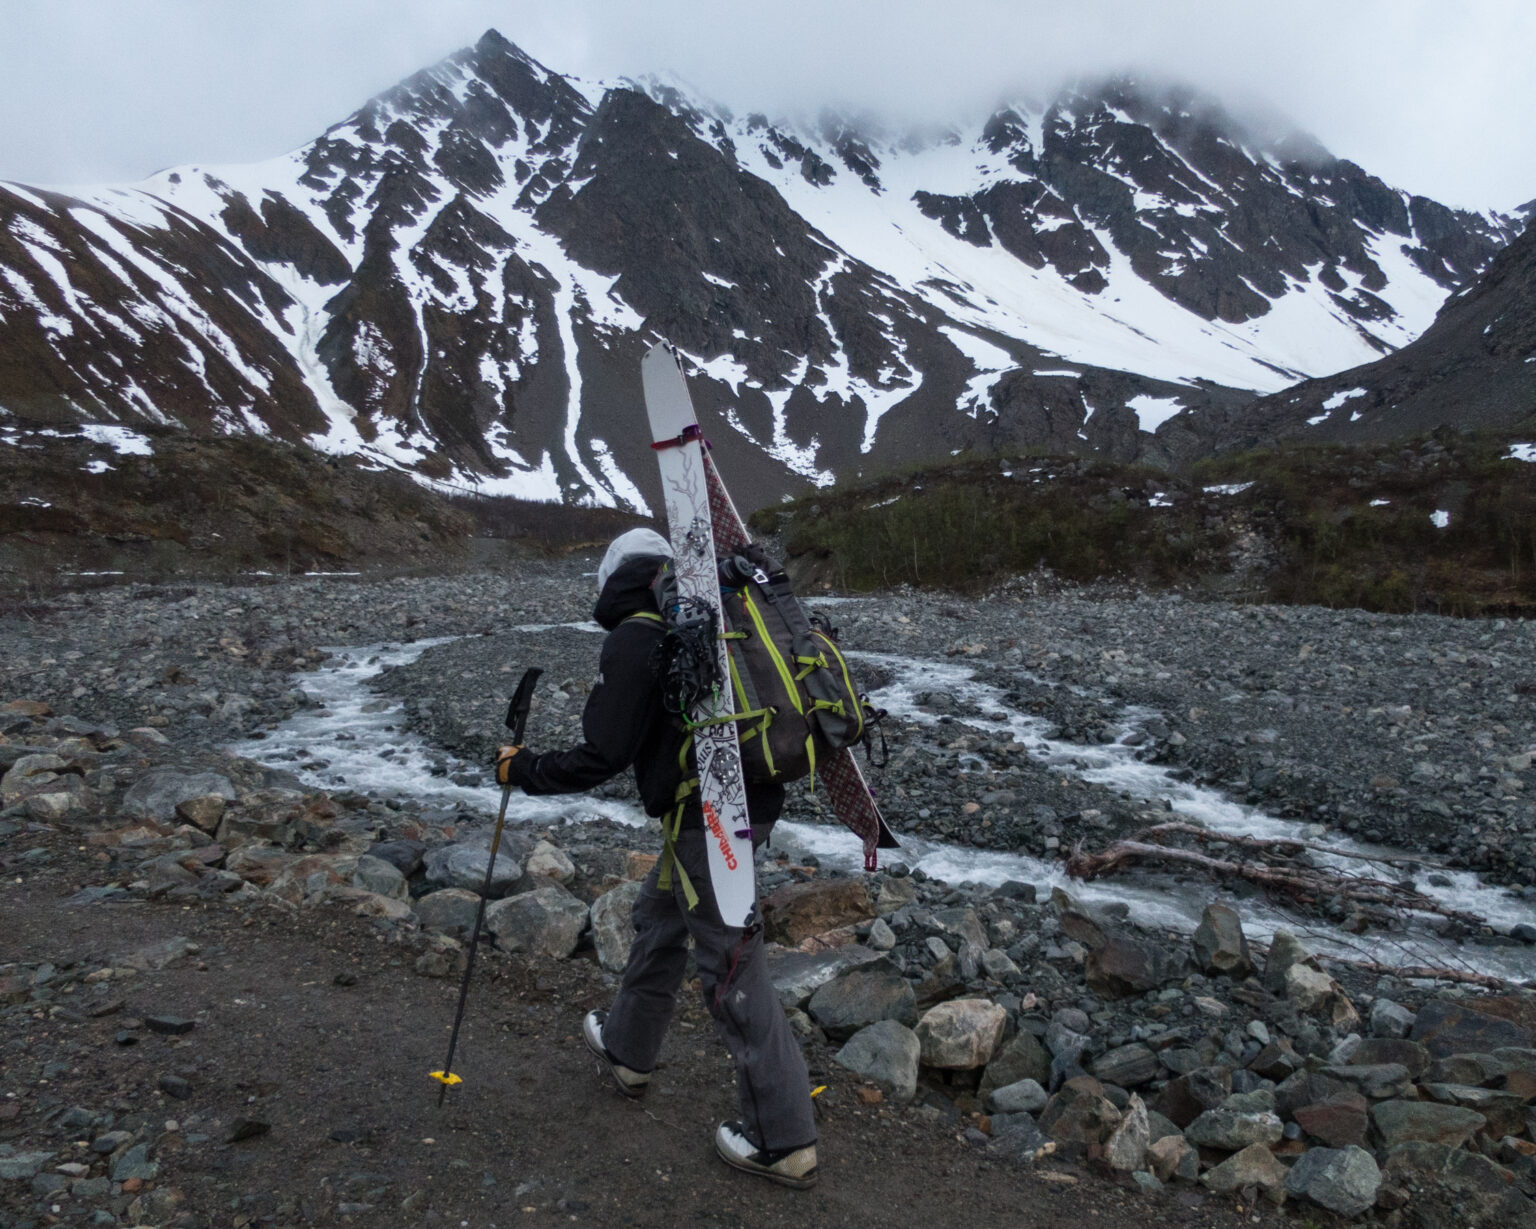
(1041,1026)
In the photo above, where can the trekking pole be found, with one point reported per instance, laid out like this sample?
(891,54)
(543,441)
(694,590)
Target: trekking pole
(517,719)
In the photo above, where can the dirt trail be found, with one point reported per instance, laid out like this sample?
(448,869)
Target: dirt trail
(318,1028)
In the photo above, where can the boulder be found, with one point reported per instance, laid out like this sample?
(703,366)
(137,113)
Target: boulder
(1255,1166)
(1379,1082)
(29,775)
(549,862)
(887,1052)
(1022,1058)
(1343,1180)
(307,877)
(613,926)
(463,866)
(1444,1028)
(1410,1055)
(449,911)
(404,855)
(1022,1097)
(1220,947)
(1285,950)
(798,975)
(1487,1194)
(1234,1129)
(376,875)
(1128,1066)
(158,793)
(203,812)
(797,911)
(1122,967)
(895,894)
(1425,1122)
(1079,1113)
(961,1034)
(545,922)
(1126,1148)
(1389,1019)
(1339,1123)
(863,996)
(259,864)
(1172,1157)
(1186,1097)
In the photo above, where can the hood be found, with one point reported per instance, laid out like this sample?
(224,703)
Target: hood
(627,591)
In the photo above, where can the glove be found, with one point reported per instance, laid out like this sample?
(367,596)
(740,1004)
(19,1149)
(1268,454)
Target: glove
(514,766)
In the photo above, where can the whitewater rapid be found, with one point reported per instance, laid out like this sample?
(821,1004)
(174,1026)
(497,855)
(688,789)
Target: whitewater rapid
(351,737)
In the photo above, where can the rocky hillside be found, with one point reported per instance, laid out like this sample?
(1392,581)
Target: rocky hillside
(458,280)
(1474,367)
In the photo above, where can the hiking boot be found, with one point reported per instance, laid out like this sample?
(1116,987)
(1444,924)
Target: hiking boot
(794,1167)
(631,1083)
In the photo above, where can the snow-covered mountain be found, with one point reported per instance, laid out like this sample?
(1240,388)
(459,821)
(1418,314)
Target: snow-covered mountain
(460,278)
(1474,367)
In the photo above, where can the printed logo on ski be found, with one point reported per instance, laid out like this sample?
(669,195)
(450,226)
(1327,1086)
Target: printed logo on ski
(717,830)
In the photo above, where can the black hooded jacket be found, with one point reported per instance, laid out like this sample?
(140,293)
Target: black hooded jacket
(624,722)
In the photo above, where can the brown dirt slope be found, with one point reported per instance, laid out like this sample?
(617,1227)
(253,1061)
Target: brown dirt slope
(320,1030)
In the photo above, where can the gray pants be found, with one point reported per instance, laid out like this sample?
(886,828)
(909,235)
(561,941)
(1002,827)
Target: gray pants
(772,1085)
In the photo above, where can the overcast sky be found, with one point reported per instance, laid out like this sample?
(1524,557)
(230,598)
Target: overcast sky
(1436,96)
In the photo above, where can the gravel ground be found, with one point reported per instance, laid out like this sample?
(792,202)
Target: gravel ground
(1415,731)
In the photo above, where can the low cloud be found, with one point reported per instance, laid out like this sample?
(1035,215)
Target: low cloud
(1432,97)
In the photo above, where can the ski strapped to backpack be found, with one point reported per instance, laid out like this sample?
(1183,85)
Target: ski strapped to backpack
(794,697)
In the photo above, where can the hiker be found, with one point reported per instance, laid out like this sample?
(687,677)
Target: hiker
(625,724)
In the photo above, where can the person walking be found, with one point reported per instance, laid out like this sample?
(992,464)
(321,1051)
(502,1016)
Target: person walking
(624,725)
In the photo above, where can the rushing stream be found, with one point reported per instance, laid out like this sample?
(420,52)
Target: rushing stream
(354,738)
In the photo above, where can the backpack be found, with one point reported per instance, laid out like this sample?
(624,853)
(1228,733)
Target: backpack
(794,697)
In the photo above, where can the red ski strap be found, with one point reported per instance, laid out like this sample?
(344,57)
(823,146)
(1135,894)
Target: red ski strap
(688,434)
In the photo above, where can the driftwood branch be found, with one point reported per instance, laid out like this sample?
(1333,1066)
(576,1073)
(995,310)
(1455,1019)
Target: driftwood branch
(1304,884)
(1283,846)
(1487,980)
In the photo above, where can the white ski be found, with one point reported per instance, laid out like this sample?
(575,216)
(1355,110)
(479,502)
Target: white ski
(722,787)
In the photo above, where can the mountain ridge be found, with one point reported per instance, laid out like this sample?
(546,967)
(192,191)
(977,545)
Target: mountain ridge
(458,279)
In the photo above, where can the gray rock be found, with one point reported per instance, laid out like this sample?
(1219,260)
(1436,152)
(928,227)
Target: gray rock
(463,866)
(1233,1129)
(157,954)
(1022,1058)
(1128,1066)
(1126,1148)
(1389,1019)
(376,875)
(798,975)
(1343,1180)
(960,1035)
(550,862)
(546,922)
(404,855)
(613,926)
(450,912)
(135,1163)
(22,1166)
(886,1052)
(860,997)
(1021,1097)
(1220,947)
(1380,1081)
(1425,1122)
(997,965)
(881,937)
(1255,1166)
(1284,951)
(158,793)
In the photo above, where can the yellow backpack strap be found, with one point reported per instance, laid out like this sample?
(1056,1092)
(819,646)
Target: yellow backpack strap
(649,615)
(671,825)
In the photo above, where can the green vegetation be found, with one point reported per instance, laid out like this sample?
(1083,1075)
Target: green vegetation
(1319,525)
